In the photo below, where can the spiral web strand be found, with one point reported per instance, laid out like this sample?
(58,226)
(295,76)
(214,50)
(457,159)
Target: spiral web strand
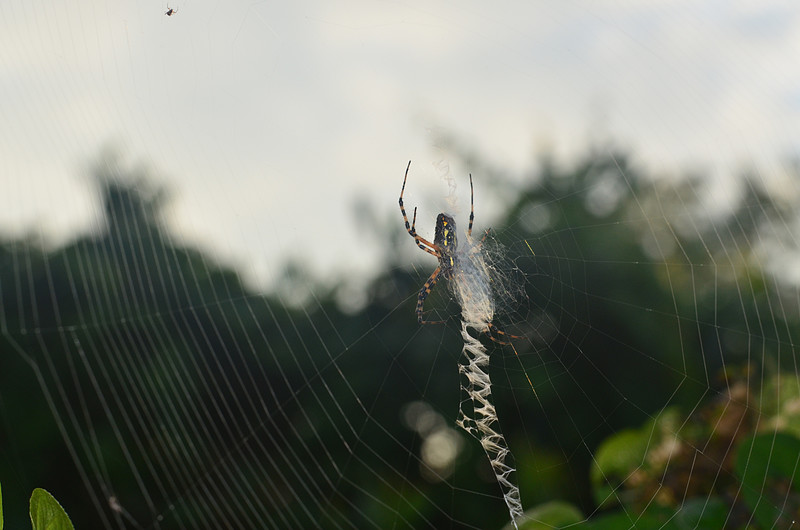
(472,286)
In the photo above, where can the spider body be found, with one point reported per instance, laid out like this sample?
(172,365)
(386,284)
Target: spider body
(444,237)
(170,11)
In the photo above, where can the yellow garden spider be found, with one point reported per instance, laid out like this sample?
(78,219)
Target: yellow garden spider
(444,246)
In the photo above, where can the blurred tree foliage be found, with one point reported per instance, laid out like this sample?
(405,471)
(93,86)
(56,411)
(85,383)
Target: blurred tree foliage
(647,315)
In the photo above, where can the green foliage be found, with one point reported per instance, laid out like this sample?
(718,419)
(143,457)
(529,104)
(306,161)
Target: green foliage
(615,458)
(46,513)
(554,514)
(655,476)
(780,403)
(766,465)
(702,514)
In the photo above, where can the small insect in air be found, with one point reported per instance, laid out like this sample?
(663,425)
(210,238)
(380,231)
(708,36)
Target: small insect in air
(169,12)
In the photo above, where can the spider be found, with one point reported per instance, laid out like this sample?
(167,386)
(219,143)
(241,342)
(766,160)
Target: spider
(169,12)
(444,246)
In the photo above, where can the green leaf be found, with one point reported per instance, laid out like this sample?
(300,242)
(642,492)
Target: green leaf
(1,508)
(616,520)
(779,403)
(646,449)
(702,514)
(47,513)
(615,459)
(549,515)
(767,467)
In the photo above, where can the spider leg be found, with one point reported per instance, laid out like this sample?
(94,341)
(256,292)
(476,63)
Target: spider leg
(471,208)
(422,243)
(491,328)
(423,294)
(479,244)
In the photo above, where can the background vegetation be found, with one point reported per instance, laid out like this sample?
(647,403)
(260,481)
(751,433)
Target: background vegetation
(659,348)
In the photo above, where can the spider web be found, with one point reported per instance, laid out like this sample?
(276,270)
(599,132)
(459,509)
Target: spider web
(149,383)
(181,399)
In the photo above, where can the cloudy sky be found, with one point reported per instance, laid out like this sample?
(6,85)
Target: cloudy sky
(267,119)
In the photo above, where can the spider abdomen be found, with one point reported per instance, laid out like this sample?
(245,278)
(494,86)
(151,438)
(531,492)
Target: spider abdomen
(444,237)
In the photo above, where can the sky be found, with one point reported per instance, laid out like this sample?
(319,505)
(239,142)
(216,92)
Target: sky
(268,121)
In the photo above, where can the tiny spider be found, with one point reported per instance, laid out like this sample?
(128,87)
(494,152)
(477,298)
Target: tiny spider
(444,246)
(169,12)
